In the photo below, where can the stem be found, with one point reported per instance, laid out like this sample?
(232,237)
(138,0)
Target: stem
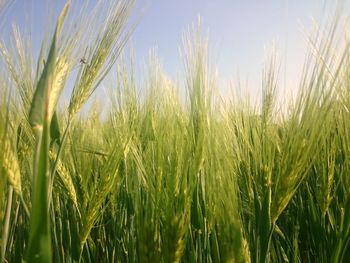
(6,225)
(25,207)
(53,169)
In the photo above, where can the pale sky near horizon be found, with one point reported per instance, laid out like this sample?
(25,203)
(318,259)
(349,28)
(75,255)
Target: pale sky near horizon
(241,32)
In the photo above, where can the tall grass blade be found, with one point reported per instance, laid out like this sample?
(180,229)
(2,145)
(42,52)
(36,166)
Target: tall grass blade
(39,246)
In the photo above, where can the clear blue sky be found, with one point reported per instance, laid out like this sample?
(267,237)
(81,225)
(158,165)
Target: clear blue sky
(240,31)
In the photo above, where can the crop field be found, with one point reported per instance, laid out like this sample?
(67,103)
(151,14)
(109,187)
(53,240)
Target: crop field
(166,175)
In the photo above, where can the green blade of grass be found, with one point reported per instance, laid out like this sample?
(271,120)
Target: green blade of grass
(41,102)
(39,247)
(343,240)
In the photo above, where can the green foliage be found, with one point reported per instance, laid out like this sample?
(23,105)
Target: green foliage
(165,176)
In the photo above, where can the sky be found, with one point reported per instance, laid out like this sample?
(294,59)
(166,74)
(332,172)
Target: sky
(241,33)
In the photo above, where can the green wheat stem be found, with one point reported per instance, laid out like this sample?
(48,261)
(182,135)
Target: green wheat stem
(6,227)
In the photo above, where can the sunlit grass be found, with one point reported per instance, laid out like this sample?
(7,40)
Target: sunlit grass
(166,175)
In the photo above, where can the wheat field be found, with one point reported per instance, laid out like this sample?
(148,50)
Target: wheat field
(163,176)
